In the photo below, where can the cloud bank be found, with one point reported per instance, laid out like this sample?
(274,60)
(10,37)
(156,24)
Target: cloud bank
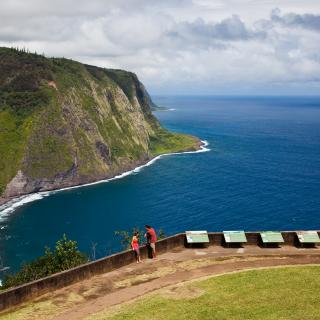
(179,46)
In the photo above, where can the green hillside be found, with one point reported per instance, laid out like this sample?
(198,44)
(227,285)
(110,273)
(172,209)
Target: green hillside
(63,123)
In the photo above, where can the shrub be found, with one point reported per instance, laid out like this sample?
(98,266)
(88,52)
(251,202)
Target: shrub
(65,256)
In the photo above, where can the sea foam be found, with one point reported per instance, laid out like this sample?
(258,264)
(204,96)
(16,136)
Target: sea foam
(12,205)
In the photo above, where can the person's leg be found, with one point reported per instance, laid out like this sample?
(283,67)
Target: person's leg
(137,255)
(150,251)
(153,247)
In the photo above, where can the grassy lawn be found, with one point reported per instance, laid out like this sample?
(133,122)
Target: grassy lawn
(277,294)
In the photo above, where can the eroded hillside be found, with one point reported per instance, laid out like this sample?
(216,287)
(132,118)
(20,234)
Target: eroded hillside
(63,123)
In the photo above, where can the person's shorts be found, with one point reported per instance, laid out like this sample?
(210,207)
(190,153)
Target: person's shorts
(153,246)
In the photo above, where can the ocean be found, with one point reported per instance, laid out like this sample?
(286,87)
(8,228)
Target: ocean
(261,172)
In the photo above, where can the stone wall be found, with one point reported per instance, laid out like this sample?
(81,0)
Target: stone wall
(17,295)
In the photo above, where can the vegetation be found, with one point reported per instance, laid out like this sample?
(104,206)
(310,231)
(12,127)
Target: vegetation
(65,122)
(270,294)
(20,97)
(168,142)
(65,256)
(13,136)
(124,79)
(126,236)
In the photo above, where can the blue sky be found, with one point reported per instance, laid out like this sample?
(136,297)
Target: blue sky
(180,46)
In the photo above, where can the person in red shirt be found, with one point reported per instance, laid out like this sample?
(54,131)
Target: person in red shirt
(151,239)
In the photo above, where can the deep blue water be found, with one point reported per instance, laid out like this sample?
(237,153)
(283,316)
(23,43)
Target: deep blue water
(263,172)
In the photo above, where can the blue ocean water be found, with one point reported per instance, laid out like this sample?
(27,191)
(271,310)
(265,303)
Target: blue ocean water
(262,173)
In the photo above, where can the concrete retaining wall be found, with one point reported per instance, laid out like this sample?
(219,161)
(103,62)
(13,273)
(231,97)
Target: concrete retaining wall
(17,295)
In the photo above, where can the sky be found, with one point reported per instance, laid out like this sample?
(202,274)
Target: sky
(198,47)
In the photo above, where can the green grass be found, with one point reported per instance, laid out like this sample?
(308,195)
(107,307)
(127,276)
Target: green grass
(168,142)
(269,294)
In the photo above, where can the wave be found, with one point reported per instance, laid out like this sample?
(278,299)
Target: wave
(12,205)
(165,109)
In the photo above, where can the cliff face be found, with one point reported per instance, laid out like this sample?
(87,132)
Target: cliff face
(63,123)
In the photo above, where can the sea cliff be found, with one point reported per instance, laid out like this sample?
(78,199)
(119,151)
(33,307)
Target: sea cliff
(63,123)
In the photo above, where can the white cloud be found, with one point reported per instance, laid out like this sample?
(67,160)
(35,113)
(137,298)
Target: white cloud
(182,46)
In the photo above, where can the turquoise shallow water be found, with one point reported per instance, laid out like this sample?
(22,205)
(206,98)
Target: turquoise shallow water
(263,172)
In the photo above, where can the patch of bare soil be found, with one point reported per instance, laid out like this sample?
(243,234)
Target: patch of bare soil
(199,263)
(181,291)
(144,277)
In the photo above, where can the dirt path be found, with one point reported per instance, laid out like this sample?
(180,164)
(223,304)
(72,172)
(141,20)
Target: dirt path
(83,299)
(132,292)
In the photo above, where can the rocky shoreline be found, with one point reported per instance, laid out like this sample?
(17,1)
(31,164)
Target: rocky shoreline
(58,183)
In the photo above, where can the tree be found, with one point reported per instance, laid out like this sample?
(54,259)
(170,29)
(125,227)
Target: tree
(126,236)
(65,256)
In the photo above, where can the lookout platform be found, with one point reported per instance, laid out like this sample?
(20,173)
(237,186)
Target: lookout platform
(180,264)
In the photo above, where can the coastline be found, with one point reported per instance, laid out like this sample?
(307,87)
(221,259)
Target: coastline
(10,205)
